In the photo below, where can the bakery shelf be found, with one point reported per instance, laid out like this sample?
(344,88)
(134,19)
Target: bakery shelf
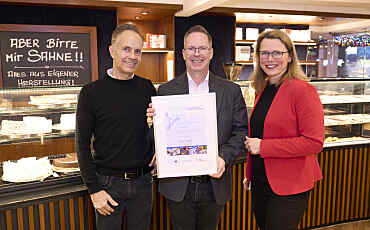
(245,62)
(308,62)
(300,62)
(302,43)
(347,142)
(344,99)
(156,50)
(18,111)
(237,42)
(346,119)
(346,107)
(12,139)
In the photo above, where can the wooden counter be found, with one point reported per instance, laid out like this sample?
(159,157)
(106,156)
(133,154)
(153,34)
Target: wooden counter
(342,196)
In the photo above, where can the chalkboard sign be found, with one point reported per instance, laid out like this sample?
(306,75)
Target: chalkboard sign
(47,56)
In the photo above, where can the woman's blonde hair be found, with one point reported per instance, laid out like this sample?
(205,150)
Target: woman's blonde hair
(293,71)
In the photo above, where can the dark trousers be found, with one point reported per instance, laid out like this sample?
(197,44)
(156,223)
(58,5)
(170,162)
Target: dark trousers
(198,210)
(134,197)
(274,212)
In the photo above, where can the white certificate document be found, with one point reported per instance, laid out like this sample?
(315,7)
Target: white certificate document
(185,133)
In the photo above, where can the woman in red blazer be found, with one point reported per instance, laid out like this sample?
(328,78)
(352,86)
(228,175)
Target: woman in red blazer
(286,131)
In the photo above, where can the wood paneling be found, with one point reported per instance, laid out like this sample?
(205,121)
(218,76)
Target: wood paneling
(50,215)
(37,148)
(166,26)
(81,212)
(342,196)
(153,65)
(31,218)
(130,13)
(149,66)
(157,7)
(20,218)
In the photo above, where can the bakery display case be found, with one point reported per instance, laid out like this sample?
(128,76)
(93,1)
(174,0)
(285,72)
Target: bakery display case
(37,137)
(347,111)
(38,124)
(346,107)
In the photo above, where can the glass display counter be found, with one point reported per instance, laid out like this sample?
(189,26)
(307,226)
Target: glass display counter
(41,194)
(37,135)
(346,107)
(40,122)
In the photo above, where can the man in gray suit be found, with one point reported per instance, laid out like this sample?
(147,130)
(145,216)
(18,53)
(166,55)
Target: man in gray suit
(196,203)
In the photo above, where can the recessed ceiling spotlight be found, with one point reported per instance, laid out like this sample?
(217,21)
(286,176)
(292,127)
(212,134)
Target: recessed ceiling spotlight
(321,19)
(144,13)
(137,17)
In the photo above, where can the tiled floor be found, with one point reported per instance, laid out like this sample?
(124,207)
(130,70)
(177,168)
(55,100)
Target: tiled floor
(358,225)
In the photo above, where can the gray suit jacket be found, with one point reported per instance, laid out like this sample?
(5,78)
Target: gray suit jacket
(232,127)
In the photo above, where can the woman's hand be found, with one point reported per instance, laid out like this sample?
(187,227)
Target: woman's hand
(247,184)
(253,145)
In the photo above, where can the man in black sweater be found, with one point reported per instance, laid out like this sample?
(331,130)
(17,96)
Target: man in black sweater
(111,111)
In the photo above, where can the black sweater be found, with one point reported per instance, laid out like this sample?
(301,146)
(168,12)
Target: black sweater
(113,112)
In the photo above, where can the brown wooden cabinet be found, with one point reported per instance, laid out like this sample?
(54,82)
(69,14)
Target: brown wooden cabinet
(158,63)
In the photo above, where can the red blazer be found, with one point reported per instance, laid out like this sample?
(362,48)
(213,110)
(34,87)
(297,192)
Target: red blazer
(293,135)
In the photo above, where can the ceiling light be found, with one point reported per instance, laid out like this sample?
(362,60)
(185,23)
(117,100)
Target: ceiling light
(137,17)
(275,18)
(144,13)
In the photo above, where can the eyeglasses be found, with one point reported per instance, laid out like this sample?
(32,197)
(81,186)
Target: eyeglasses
(128,50)
(274,54)
(193,50)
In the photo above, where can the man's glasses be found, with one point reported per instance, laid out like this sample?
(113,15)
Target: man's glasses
(193,50)
(274,54)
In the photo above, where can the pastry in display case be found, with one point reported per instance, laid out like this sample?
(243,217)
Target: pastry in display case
(37,134)
(346,107)
(28,126)
(26,170)
(30,169)
(66,164)
(52,101)
(67,123)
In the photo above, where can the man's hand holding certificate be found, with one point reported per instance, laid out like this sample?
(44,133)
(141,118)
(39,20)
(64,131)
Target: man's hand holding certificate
(185,133)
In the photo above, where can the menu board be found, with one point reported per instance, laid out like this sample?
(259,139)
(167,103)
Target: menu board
(47,56)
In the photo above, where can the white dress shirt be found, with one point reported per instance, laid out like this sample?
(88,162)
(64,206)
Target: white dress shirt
(198,89)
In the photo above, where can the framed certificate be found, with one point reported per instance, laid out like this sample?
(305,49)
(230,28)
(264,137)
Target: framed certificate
(185,133)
